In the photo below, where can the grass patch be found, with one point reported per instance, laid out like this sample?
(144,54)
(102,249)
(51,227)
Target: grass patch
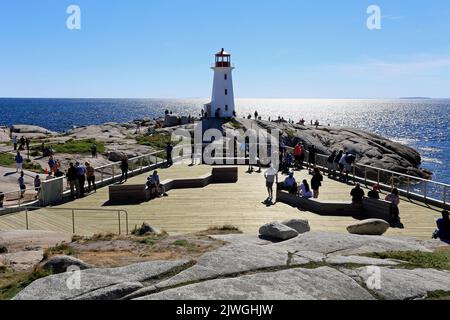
(75,146)
(60,249)
(440,259)
(218,230)
(6,160)
(157,141)
(438,295)
(32,166)
(14,282)
(186,244)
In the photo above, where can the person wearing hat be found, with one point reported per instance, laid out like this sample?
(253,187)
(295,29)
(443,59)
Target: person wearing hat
(374,193)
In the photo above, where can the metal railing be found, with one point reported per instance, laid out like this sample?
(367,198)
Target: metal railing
(423,190)
(74,219)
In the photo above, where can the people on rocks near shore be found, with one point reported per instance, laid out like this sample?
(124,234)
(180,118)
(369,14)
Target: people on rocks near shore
(256,115)
(19,162)
(312,157)
(72,179)
(443,227)
(90,176)
(124,167)
(299,155)
(394,199)
(27,144)
(374,193)
(14,141)
(52,164)
(330,163)
(94,151)
(316,182)
(22,143)
(316,124)
(305,190)
(2,198)
(155,186)
(357,194)
(290,184)
(169,151)
(22,185)
(81,173)
(271,176)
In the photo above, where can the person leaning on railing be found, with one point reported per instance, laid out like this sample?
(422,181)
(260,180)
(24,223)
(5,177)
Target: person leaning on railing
(2,198)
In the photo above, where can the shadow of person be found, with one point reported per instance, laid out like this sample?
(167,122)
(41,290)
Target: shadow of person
(10,174)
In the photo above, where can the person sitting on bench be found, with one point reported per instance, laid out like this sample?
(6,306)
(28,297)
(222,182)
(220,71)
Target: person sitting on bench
(290,184)
(357,194)
(374,193)
(155,186)
(305,190)
(443,227)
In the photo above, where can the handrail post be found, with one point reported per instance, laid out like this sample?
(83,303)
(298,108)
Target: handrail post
(101,174)
(118,215)
(392,181)
(26,219)
(426,190)
(73,221)
(126,217)
(378,176)
(408,181)
(445,196)
(365,175)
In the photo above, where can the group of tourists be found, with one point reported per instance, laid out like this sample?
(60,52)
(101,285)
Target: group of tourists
(21,144)
(296,159)
(77,176)
(340,164)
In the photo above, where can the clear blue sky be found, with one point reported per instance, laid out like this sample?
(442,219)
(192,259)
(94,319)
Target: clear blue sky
(283,48)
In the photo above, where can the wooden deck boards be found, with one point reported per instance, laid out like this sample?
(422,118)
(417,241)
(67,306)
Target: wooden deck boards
(190,210)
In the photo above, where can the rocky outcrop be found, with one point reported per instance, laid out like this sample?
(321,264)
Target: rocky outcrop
(277,231)
(370,227)
(314,265)
(30,131)
(61,263)
(301,226)
(370,149)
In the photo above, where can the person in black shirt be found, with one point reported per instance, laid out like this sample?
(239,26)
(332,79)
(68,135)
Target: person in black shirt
(72,178)
(375,193)
(124,168)
(357,194)
(316,182)
(169,149)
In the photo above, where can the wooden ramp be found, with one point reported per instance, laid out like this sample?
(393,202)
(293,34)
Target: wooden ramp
(190,210)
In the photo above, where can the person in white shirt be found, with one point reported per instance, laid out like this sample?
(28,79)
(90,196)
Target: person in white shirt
(271,176)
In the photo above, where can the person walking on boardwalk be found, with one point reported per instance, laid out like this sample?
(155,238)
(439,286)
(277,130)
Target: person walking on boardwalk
(394,199)
(124,166)
(19,162)
(169,150)
(22,185)
(271,176)
(94,151)
(316,182)
(90,175)
(81,173)
(37,184)
(72,179)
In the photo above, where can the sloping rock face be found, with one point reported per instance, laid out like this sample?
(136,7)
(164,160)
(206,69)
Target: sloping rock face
(31,131)
(370,149)
(311,266)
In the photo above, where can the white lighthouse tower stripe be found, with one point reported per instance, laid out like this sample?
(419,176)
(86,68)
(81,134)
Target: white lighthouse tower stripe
(222,101)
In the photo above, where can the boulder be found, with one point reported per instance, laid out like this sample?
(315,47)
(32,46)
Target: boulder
(277,231)
(147,229)
(115,156)
(3,249)
(301,226)
(22,260)
(60,264)
(370,227)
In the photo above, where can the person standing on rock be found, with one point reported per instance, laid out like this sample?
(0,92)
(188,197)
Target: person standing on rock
(15,142)
(124,166)
(72,178)
(271,176)
(316,182)
(94,151)
(19,162)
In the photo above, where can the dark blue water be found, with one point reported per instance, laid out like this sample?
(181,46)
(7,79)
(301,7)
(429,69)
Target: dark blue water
(422,124)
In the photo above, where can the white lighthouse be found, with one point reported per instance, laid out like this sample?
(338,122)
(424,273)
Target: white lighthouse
(222,101)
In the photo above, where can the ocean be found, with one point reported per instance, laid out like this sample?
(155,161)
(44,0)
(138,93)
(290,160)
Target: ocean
(423,124)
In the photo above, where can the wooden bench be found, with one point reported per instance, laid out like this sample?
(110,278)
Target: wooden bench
(139,193)
(128,193)
(369,209)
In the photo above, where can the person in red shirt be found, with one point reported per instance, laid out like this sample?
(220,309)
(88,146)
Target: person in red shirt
(299,155)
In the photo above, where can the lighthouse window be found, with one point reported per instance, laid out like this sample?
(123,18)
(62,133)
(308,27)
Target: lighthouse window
(226,76)
(226,92)
(226,108)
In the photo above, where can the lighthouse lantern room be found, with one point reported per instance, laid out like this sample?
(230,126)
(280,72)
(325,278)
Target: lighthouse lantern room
(222,102)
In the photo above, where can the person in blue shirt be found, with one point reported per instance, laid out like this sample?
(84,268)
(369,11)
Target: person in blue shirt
(290,184)
(81,173)
(443,227)
(19,162)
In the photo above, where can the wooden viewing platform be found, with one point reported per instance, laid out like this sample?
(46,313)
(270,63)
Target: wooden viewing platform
(191,210)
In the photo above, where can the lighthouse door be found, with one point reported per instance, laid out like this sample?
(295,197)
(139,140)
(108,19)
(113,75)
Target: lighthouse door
(208,110)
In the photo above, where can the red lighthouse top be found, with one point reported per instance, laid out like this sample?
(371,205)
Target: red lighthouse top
(223,59)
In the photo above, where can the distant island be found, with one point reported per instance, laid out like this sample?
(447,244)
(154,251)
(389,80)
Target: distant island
(415,98)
